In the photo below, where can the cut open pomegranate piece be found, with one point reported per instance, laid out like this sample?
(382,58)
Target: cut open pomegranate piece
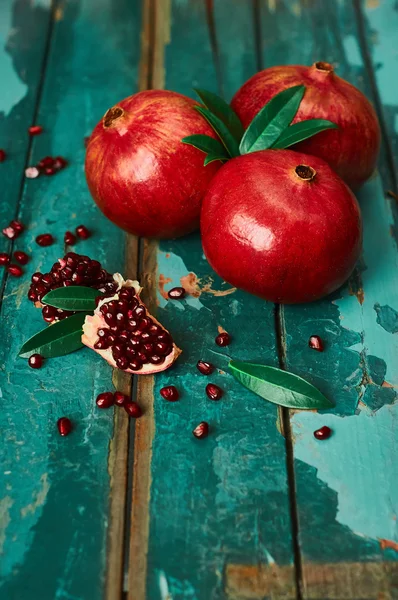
(126,335)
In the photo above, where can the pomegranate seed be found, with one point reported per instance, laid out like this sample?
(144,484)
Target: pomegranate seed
(213,391)
(223,339)
(35,130)
(104,400)
(14,270)
(69,238)
(45,239)
(32,172)
(35,361)
(60,163)
(323,433)
(21,257)
(10,232)
(82,232)
(2,156)
(176,293)
(49,313)
(316,343)
(170,393)
(201,430)
(4,258)
(64,426)
(17,225)
(45,162)
(120,399)
(50,171)
(205,368)
(133,409)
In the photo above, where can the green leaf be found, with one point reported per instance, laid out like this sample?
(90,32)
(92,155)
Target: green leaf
(56,340)
(279,387)
(213,157)
(226,137)
(207,144)
(73,297)
(302,131)
(223,111)
(272,120)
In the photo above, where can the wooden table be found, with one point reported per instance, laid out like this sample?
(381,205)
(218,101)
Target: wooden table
(144,508)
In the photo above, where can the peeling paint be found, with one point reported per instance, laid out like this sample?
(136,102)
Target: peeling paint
(387,318)
(40,496)
(5,505)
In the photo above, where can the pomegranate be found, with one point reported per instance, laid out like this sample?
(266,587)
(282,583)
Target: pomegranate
(140,174)
(122,332)
(352,149)
(281,225)
(73,269)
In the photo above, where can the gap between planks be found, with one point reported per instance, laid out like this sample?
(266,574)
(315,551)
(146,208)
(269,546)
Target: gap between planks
(129,516)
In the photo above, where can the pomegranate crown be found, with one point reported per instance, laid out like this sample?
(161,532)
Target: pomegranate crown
(270,128)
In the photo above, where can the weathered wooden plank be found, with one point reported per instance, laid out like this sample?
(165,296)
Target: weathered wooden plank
(358,368)
(224,498)
(25,29)
(56,506)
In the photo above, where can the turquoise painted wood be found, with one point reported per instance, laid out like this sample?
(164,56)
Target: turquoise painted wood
(358,368)
(55,491)
(223,500)
(220,523)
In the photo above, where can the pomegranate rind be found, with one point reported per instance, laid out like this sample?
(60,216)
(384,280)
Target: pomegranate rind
(94,322)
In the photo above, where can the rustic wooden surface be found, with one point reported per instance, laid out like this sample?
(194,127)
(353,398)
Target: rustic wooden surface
(146,509)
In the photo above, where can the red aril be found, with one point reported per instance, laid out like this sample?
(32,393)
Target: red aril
(14,270)
(281,225)
(64,426)
(352,149)
(21,257)
(3,155)
(140,174)
(126,335)
(133,409)
(82,232)
(4,258)
(105,400)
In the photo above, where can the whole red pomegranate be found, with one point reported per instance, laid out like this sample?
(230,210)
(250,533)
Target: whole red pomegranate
(140,174)
(281,225)
(352,149)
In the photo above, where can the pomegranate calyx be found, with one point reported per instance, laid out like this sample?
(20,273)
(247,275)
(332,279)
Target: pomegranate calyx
(305,172)
(112,115)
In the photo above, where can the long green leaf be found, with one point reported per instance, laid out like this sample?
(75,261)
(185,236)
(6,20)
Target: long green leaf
(207,144)
(226,137)
(279,387)
(213,157)
(56,340)
(270,122)
(74,298)
(302,131)
(223,111)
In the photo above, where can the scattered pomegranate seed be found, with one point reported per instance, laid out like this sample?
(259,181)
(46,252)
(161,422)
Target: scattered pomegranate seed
(45,239)
(213,391)
(14,270)
(170,393)
(14,229)
(60,163)
(69,238)
(45,162)
(50,171)
(323,433)
(104,400)
(35,361)
(223,339)
(316,343)
(120,399)
(201,430)
(176,293)
(82,232)
(2,156)
(35,130)
(64,426)
(21,257)
(204,367)
(133,409)
(32,172)
(4,258)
